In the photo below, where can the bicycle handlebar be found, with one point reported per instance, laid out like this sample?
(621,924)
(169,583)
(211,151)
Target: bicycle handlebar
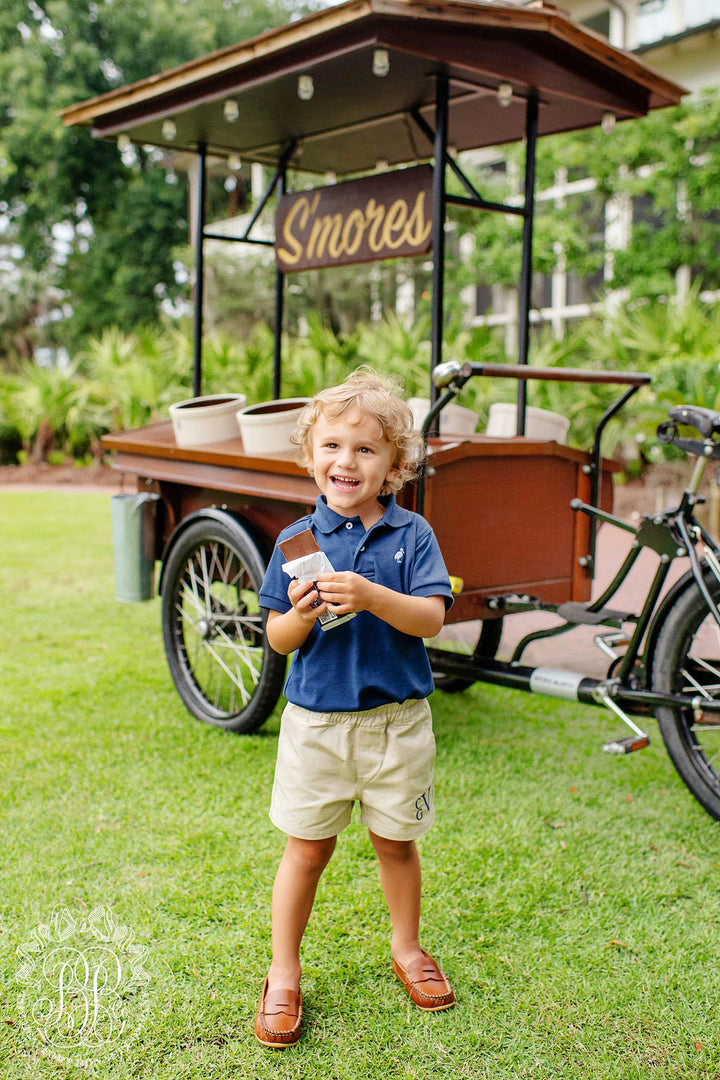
(453,374)
(706,421)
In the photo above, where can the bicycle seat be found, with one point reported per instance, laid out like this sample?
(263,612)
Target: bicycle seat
(706,421)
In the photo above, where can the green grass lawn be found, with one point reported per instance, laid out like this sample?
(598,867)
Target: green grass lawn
(572,898)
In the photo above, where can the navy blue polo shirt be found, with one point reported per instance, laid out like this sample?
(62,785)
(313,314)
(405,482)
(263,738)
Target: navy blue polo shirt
(365,662)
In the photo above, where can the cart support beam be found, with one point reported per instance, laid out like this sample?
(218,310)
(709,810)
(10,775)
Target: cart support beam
(279,294)
(199,269)
(531,131)
(438,208)
(276,184)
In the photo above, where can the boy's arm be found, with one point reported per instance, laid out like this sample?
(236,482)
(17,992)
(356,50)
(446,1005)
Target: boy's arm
(419,616)
(286,631)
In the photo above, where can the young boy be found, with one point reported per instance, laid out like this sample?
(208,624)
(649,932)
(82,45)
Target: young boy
(357,725)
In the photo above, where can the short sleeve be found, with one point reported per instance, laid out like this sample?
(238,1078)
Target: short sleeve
(273,594)
(429,576)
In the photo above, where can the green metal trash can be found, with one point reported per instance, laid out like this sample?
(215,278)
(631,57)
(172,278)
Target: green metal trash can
(133,529)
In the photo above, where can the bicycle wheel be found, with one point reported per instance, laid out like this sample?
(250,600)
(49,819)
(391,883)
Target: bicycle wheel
(460,638)
(217,652)
(687,660)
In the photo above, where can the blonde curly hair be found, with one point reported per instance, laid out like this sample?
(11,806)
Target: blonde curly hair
(377,396)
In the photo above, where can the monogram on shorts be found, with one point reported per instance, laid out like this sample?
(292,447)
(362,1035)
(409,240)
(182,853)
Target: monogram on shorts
(422,804)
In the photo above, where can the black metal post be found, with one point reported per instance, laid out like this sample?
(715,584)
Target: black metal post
(279,300)
(438,211)
(199,270)
(531,130)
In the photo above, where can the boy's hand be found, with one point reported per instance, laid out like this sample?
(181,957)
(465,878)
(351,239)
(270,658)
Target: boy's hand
(345,591)
(305,599)
(419,616)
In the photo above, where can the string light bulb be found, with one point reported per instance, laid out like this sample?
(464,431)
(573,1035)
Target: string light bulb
(231,110)
(169,130)
(504,94)
(305,87)
(608,122)
(381,62)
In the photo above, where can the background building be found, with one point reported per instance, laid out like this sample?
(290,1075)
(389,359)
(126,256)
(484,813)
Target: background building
(681,38)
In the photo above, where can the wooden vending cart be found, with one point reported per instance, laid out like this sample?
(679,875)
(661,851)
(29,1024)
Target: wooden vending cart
(357,90)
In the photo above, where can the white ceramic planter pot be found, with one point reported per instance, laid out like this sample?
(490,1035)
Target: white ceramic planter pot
(266,428)
(454,419)
(539,423)
(209,419)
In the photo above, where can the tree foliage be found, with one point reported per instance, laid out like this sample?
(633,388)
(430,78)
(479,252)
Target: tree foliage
(60,188)
(667,164)
(94,235)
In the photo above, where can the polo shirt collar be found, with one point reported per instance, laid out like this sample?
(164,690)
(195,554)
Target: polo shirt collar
(327,520)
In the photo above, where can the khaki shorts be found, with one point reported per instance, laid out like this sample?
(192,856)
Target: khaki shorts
(383,758)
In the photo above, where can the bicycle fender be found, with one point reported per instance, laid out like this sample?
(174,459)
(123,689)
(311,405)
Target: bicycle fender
(211,513)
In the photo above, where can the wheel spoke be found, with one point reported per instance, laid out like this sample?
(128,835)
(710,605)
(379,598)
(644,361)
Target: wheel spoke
(205,577)
(190,588)
(211,651)
(701,750)
(218,637)
(712,668)
(697,686)
(701,673)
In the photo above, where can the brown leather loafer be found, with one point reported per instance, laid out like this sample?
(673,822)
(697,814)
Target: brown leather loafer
(425,983)
(278,1018)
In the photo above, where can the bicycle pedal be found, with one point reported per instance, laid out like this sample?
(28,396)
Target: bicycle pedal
(626,745)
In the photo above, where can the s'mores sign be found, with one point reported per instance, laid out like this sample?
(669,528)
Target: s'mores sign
(377,217)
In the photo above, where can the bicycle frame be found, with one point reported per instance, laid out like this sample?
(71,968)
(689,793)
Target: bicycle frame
(671,534)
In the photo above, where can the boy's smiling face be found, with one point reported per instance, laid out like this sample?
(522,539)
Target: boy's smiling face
(352,459)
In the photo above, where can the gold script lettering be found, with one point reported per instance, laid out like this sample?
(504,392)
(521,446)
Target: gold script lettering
(395,220)
(324,231)
(374,215)
(303,210)
(356,220)
(308,236)
(418,229)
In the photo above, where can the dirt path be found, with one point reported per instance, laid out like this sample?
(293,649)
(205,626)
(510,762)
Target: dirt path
(52,477)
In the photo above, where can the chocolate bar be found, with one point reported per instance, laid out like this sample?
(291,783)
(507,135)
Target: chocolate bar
(302,543)
(305,559)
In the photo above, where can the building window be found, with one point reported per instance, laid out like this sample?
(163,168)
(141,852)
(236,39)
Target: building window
(600,23)
(699,12)
(654,21)
(541,290)
(584,290)
(483,299)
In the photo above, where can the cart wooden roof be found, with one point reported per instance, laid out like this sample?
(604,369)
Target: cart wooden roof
(356,118)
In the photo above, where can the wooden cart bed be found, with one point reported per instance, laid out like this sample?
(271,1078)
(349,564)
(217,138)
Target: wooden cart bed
(500,507)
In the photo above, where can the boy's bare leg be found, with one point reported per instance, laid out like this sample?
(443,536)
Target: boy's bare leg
(401,880)
(294,890)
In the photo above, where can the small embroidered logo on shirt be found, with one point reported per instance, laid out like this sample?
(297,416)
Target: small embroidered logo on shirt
(399,555)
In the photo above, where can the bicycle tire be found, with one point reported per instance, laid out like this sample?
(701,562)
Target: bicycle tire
(687,660)
(222,666)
